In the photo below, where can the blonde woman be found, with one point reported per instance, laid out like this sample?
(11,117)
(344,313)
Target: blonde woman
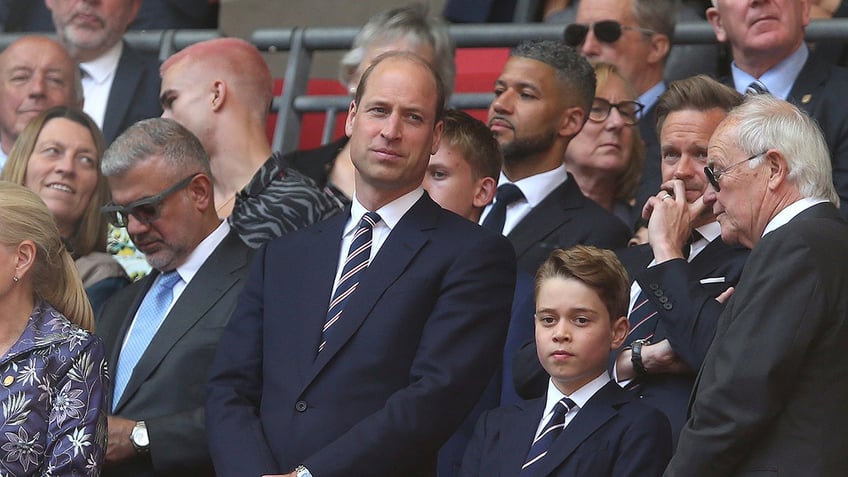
(52,369)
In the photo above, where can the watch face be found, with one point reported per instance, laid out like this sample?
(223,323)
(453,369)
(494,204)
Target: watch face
(139,436)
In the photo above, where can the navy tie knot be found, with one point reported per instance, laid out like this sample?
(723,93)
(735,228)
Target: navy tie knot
(507,194)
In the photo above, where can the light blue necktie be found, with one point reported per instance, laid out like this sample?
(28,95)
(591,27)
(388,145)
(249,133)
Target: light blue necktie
(149,317)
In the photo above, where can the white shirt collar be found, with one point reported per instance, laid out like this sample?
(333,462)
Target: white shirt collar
(580,397)
(779,79)
(536,187)
(198,256)
(390,213)
(784,216)
(101,68)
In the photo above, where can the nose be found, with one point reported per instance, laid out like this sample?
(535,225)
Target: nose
(710,195)
(685,168)
(391,127)
(502,104)
(614,119)
(135,227)
(166,113)
(66,165)
(591,47)
(562,333)
(37,85)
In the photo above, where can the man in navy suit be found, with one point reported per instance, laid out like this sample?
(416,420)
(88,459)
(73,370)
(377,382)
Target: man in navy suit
(305,386)
(679,287)
(586,425)
(120,84)
(770,396)
(767,40)
(542,100)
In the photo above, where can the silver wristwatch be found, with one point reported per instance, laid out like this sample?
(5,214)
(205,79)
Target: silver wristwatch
(301,471)
(139,438)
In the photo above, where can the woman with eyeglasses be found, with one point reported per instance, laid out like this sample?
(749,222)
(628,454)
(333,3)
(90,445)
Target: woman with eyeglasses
(57,156)
(606,158)
(52,368)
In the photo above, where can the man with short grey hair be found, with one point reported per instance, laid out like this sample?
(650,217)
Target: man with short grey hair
(161,332)
(771,393)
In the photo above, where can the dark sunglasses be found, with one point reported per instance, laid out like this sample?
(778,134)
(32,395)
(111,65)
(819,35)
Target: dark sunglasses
(144,210)
(714,175)
(607,31)
(628,110)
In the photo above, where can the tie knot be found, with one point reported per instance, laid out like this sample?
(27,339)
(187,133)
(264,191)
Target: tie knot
(369,220)
(756,87)
(168,280)
(562,407)
(508,193)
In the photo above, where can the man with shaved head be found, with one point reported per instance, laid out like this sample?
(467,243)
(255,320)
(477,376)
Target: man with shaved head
(221,91)
(36,74)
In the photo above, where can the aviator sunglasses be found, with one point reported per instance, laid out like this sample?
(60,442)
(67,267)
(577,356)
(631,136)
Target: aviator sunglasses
(145,210)
(607,31)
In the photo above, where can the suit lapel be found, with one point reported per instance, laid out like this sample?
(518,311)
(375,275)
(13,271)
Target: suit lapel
(403,243)
(805,90)
(127,77)
(519,429)
(599,409)
(208,286)
(550,214)
(115,331)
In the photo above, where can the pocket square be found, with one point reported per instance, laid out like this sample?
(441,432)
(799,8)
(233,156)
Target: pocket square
(705,281)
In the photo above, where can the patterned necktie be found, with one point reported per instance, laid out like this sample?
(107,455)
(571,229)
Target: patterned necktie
(507,194)
(150,315)
(549,434)
(756,87)
(354,267)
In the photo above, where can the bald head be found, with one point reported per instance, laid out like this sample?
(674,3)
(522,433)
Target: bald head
(36,73)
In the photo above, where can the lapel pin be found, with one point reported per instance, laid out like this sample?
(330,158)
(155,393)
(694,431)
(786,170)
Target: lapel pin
(806,98)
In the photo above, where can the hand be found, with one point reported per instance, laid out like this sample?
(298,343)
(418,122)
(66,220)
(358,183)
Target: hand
(660,358)
(671,220)
(120,448)
(725,295)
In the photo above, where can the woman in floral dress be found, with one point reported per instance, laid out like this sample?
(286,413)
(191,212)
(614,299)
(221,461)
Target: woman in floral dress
(52,369)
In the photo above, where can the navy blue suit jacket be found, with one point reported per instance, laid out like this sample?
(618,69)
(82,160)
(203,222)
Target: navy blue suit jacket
(683,293)
(563,219)
(612,435)
(135,93)
(407,361)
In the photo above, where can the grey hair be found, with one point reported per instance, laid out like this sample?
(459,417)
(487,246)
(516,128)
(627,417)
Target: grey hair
(764,122)
(415,23)
(575,73)
(156,137)
(657,15)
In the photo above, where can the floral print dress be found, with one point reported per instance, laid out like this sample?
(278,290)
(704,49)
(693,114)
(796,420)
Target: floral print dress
(53,384)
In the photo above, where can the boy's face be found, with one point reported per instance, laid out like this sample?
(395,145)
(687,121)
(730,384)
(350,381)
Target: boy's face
(450,182)
(574,335)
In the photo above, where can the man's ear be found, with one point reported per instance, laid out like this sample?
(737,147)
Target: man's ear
(714,17)
(777,167)
(571,121)
(200,189)
(351,116)
(660,46)
(437,137)
(219,95)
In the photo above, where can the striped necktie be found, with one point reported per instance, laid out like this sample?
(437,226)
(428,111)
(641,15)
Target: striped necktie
(354,267)
(549,434)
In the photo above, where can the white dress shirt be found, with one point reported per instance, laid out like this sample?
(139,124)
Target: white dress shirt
(580,398)
(535,188)
(98,76)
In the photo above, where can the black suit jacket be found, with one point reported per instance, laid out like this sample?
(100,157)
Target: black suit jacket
(612,435)
(166,389)
(135,93)
(770,397)
(563,219)
(415,347)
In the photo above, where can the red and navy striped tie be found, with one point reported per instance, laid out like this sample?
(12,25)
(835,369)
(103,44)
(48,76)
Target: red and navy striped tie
(549,434)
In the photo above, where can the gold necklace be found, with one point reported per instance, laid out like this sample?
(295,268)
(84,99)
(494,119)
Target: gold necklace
(218,209)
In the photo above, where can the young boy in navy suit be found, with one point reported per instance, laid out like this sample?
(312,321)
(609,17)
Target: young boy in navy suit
(586,425)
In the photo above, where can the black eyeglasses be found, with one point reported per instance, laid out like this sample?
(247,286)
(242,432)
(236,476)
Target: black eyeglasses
(713,175)
(144,210)
(629,110)
(607,31)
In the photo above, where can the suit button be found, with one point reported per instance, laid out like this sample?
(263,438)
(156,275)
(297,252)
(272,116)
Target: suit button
(663,299)
(658,293)
(300,406)
(667,306)
(653,286)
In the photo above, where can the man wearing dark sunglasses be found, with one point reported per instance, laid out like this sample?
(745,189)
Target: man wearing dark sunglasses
(635,36)
(160,332)
(767,41)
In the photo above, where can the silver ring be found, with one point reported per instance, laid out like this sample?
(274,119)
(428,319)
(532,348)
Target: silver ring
(666,196)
